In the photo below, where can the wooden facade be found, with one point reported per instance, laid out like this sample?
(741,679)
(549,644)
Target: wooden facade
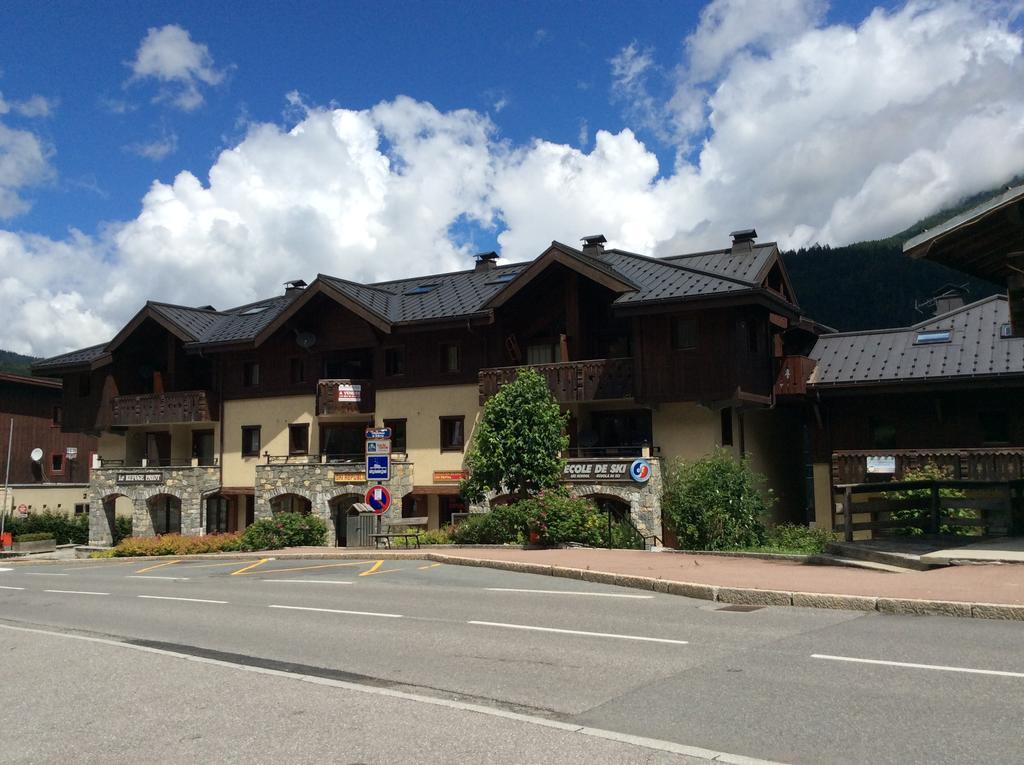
(37,409)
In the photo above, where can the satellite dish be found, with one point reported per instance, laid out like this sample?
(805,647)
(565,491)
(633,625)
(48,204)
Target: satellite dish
(305,339)
(37,454)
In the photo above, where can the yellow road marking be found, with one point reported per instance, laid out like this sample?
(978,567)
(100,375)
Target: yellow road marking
(382,571)
(158,565)
(308,568)
(376,566)
(431,565)
(260,562)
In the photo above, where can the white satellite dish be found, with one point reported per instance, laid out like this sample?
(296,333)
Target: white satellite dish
(37,454)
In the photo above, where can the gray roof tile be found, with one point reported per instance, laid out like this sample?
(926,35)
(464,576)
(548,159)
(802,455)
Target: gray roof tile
(72,358)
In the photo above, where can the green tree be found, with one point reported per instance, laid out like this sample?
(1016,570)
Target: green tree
(517,448)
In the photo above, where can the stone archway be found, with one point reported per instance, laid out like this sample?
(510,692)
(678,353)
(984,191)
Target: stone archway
(103,518)
(163,512)
(291,502)
(339,507)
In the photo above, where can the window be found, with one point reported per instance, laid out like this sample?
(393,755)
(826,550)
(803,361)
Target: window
(394,361)
(217,515)
(56,416)
(84,385)
(296,371)
(453,435)
(451,357)
(727,426)
(995,427)
(1006,330)
(448,505)
(398,443)
(56,463)
(250,374)
(298,439)
(250,440)
(931,336)
(542,353)
(684,333)
(421,289)
(82,508)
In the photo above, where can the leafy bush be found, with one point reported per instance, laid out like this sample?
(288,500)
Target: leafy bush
(36,536)
(122,528)
(794,539)
(285,530)
(931,471)
(504,524)
(558,518)
(442,536)
(714,502)
(66,529)
(175,544)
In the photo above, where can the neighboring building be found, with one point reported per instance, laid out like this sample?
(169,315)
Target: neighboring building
(948,390)
(58,480)
(208,419)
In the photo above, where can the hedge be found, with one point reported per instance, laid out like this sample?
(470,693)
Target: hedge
(175,544)
(33,537)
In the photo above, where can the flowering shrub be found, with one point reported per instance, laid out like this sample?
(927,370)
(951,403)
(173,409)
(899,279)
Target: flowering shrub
(285,530)
(175,544)
(558,518)
(504,524)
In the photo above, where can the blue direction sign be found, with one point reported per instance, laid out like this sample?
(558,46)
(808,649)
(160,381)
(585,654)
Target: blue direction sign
(378,467)
(379,498)
(378,433)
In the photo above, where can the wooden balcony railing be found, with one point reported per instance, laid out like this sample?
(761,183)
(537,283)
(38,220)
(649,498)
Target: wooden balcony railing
(992,464)
(345,397)
(571,381)
(162,408)
(793,374)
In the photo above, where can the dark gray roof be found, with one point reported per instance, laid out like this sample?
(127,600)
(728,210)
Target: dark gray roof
(1009,197)
(975,349)
(193,321)
(81,357)
(664,280)
(743,266)
(245,322)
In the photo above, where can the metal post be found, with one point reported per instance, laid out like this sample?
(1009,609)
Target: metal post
(933,525)
(609,528)
(7,477)
(848,514)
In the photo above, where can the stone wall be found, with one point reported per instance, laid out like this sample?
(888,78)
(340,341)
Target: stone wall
(315,482)
(191,485)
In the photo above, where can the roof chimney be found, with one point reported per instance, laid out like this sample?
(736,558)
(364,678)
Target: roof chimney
(296,285)
(946,298)
(486,261)
(593,245)
(743,241)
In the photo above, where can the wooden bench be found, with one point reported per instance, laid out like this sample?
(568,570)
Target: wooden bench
(402,528)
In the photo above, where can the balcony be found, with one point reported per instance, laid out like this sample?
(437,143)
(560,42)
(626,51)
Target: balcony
(345,397)
(793,374)
(162,408)
(570,381)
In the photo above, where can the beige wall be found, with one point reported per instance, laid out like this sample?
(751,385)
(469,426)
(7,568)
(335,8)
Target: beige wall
(56,498)
(823,501)
(421,408)
(112,446)
(273,415)
(686,431)
(774,441)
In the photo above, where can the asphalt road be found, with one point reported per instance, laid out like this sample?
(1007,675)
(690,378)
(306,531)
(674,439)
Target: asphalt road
(394,639)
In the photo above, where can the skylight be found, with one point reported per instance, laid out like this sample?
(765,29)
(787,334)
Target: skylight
(421,289)
(502,278)
(932,336)
(253,311)
(1006,330)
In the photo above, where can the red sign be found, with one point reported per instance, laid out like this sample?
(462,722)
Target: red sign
(23,509)
(379,498)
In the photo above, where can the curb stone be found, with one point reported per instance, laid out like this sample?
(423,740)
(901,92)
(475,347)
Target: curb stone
(751,597)
(924,607)
(845,602)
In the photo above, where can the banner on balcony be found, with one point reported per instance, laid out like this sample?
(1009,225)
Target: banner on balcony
(597,470)
(124,479)
(350,393)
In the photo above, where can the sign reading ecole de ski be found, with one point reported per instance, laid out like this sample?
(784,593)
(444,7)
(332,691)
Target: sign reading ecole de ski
(638,471)
(124,479)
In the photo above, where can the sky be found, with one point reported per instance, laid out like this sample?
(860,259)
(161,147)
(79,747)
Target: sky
(203,153)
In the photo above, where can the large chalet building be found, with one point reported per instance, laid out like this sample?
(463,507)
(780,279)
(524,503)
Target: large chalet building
(208,419)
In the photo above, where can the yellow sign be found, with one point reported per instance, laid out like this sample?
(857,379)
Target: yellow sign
(449,476)
(349,477)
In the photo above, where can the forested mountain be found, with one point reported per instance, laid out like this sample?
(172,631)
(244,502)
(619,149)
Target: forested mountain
(15,363)
(868,285)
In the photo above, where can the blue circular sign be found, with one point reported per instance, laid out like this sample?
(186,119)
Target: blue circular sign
(640,471)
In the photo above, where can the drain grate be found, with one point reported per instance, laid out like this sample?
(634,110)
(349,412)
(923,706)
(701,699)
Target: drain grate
(740,608)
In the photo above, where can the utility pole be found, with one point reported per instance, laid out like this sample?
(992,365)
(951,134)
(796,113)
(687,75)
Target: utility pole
(7,477)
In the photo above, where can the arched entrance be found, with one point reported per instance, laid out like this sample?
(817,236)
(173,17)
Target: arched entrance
(108,512)
(341,509)
(290,503)
(619,524)
(165,513)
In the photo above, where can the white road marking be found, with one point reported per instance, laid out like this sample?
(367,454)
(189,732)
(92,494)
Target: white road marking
(166,578)
(77,592)
(338,611)
(42,573)
(570,592)
(6,569)
(2,587)
(911,665)
(580,632)
(308,581)
(188,600)
(641,741)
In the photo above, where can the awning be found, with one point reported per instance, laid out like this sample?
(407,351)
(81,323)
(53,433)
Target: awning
(439,489)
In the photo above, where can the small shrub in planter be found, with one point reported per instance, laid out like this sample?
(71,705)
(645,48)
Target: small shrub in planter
(34,537)
(175,544)
(285,530)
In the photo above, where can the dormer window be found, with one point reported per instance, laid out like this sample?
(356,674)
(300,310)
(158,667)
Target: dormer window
(1006,331)
(933,336)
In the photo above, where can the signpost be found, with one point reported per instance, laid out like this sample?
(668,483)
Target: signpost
(378,498)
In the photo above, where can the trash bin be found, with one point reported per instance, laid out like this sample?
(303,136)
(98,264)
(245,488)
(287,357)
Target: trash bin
(6,540)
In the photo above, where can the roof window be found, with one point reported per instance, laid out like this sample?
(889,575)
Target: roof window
(502,278)
(933,336)
(421,289)
(253,311)
(1006,330)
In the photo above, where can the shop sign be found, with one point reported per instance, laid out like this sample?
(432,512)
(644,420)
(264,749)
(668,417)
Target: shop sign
(378,446)
(449,476)
(350,393)
(356,477)
(596,470)
(139,478)
(882,465)
(378,433)
(640,471)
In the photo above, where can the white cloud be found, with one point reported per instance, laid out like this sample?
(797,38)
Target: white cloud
(157,149)
(24,163)
(169,56)
(33,106)
(830,133)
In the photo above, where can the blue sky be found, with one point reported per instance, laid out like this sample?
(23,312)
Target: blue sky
(204,153)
